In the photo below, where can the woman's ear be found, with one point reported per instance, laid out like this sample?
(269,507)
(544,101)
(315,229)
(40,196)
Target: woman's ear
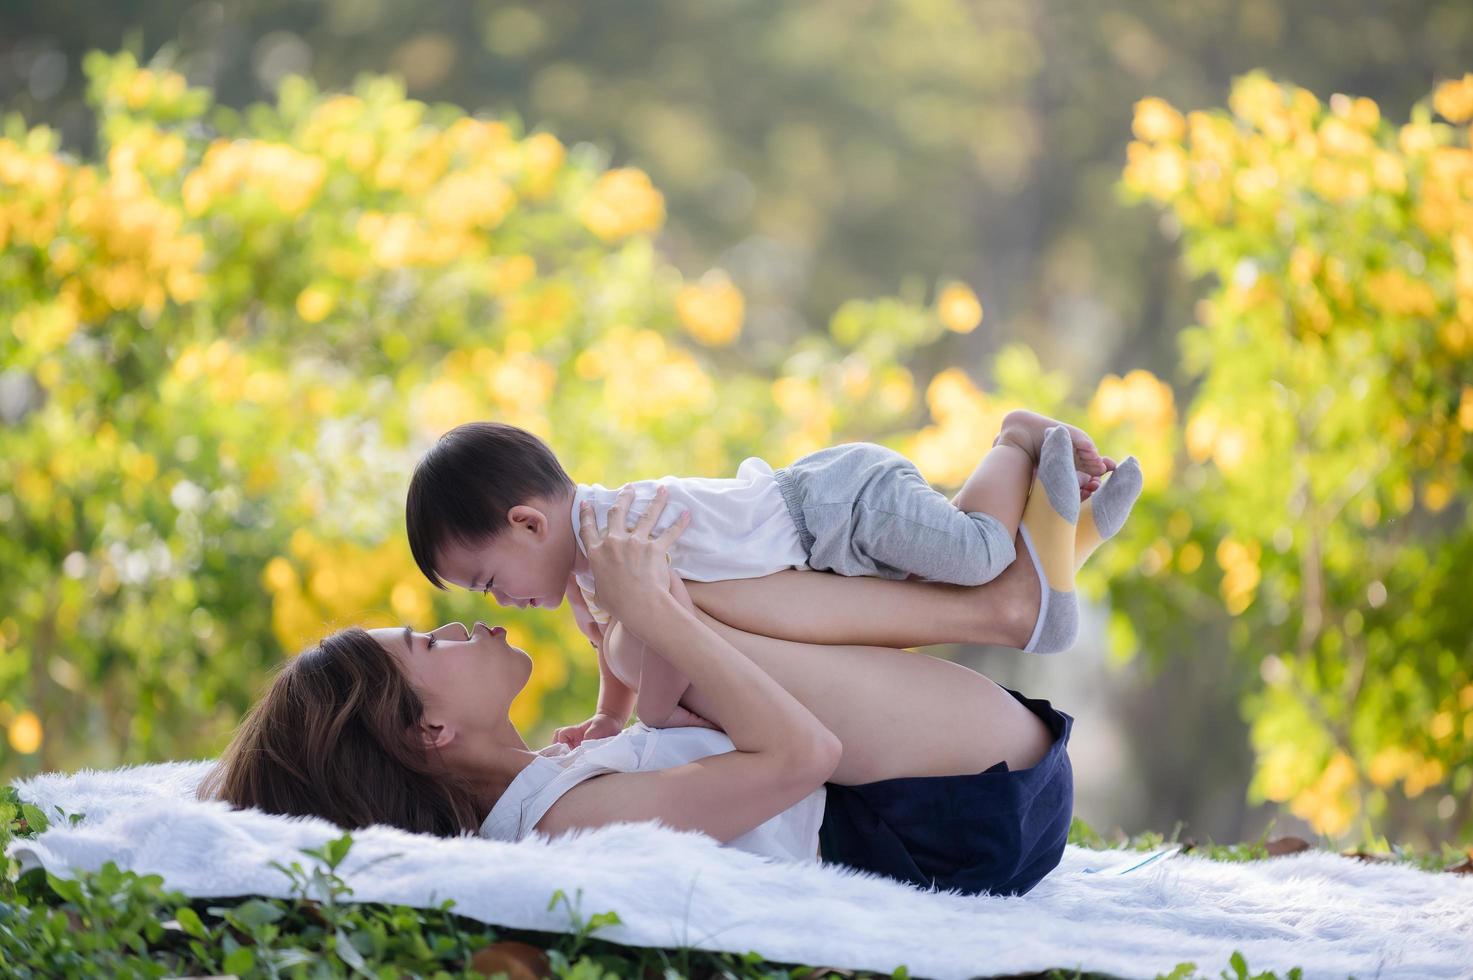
(433,736)
(529,518)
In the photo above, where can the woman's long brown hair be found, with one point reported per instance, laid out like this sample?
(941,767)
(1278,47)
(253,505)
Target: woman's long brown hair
(334,737)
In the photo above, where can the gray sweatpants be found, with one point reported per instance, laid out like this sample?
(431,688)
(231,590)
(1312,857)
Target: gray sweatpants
(862,509)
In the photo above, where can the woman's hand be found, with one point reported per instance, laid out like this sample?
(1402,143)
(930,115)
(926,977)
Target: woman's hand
(629,565)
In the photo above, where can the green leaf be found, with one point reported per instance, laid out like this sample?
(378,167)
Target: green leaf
(68,888)
(256,912)
(347,952)
(338,849)
(240,960)
(189,921)
(602,920)
(36,822)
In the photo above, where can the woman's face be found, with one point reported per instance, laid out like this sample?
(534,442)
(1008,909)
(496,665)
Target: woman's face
(467,679)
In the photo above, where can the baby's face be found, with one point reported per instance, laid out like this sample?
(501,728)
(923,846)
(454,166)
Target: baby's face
(522,566)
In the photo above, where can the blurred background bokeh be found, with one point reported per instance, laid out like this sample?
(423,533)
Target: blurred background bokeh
(255,256)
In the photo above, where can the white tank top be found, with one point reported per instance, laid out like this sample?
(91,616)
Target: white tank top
(791,835)
(740,528)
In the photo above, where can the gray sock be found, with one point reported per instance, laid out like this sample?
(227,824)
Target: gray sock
(1056,473)
(1058,612)
(1113,500)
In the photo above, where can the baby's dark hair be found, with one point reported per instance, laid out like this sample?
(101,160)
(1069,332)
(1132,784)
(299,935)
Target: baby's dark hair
(463,487)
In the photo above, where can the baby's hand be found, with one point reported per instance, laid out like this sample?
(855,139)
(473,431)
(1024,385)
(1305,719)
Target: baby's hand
(1026,430)
(599,726)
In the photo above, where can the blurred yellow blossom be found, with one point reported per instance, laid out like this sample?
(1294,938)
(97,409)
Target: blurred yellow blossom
(544,155)
(1158,171)
(314,304)
(622,203)
(1329,804)
(965,422)
(711,310)
(25,732)
(1397,293)
(1156,121)
(1453,99)
(958,308)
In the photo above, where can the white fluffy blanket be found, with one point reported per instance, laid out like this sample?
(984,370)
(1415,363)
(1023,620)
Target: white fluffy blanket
(1330,915)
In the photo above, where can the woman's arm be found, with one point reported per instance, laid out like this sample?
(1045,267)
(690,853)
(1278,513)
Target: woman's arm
(782,751)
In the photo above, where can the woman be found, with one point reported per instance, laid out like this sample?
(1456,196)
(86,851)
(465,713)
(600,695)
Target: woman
(934,774)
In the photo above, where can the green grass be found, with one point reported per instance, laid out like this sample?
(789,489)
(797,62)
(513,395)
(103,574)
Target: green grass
(121,924)
(1371,848)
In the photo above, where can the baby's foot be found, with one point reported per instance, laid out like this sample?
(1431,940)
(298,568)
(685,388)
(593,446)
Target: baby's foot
(1106,511)
(1048,531)
(1026,430)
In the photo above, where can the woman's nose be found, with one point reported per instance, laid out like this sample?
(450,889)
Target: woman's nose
(453,630)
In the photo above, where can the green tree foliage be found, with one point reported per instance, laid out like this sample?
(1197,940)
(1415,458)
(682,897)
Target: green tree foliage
(233,330)
(233,333)
(1323,504)
(825,150)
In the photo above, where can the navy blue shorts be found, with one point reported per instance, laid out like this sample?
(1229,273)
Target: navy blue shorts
(998,831)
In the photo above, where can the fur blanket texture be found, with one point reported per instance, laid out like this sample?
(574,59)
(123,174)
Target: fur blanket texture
(1122,913)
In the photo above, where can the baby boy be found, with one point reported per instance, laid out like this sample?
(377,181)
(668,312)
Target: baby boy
(492,510)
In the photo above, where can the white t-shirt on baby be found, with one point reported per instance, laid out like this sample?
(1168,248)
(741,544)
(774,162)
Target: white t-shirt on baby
(739,528)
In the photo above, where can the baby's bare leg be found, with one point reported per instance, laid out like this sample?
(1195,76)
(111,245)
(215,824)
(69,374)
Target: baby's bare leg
(818,607)
(999,485)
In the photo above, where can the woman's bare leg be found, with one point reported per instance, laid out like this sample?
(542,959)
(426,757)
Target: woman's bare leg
(897,713)
(819,607)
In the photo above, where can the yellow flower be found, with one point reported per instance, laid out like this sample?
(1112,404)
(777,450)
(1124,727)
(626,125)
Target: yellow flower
(621,203)
(1160,171)
(279,575)
(1416,139)
(543,156)
(473,199)
(1339,138)
(140,89)
(1156,121)
(711,311)
(1256,99)
(1388,172)
(958,308)
(25,733)
(1139,397)
(1453,99)
(1397,293)
(314,304)
(512,272)
(1436,495)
